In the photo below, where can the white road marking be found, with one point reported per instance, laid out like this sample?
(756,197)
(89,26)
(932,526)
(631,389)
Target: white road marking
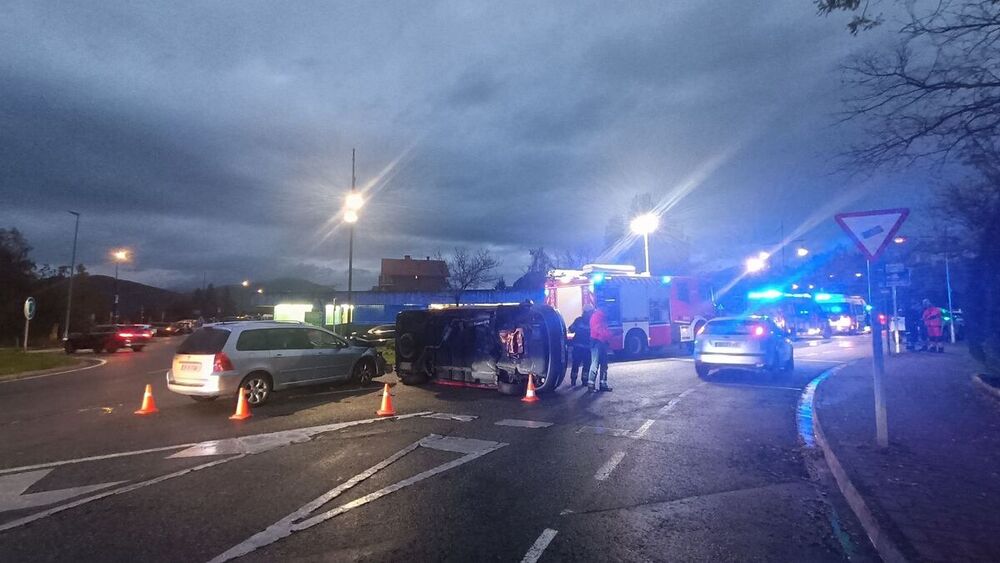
(539,546)
(93,458)
(40,376)
(128,488)
(673,402)
(12,488)
(602,430)
(295,521)
(522,423)
(819,361)
(605,471)
(447,416)
(644,428)
(256,444)
(566,512)
(757,386)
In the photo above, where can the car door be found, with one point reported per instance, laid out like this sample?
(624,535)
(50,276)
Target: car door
(326,349)
(291,355)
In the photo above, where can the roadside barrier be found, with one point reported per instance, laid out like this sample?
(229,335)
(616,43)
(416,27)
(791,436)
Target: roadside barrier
(530,396)
(386,409)
(242,407)
(148,404)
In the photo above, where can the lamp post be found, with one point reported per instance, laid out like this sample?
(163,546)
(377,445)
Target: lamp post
(118,256)
(352,204)
(246,295)
(72,271)
(755,264)
(643,225)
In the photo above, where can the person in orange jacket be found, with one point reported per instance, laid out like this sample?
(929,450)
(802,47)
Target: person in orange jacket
(600,342)
(934,321)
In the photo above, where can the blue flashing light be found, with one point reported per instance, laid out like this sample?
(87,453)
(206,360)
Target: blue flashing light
(868,308)
(766,294)
(665,279)
(823,297)
(597,278)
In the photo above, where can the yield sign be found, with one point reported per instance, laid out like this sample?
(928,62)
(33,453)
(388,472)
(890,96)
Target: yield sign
(872,230)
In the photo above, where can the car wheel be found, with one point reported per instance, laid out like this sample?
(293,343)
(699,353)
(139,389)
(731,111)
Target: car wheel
(702,369)
(364,371)
(634,344)
(69,348)
(137,348)
(258,388)
(203,399)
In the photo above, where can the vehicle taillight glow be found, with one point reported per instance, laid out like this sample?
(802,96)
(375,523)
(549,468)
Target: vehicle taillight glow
(147,333)
(125,335)
(222,363)
(758,330)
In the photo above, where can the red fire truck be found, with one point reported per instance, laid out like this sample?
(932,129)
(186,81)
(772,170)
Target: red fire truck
(643,311)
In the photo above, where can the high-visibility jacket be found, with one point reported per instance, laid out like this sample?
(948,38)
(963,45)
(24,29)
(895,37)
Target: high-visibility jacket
(933,320)
(599,327)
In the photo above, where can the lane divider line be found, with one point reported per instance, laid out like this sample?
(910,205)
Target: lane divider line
(605,471)
(295,521)
(539,546)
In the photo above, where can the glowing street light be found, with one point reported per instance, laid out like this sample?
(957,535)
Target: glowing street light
(643,225)
(245,283)
(802,252)
(119,256)
(350,216)
(756,264)
(354,201)
(899,240)
(260,290)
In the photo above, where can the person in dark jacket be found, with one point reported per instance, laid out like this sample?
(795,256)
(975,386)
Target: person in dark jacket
(600,343)
(580,347)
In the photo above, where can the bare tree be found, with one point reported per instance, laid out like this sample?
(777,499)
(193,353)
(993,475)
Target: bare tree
(937,94)
(468,270)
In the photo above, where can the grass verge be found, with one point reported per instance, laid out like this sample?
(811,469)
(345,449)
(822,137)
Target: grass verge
(14,361)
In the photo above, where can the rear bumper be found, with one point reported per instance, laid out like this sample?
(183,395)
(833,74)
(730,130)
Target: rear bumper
(742,360)
(210,386)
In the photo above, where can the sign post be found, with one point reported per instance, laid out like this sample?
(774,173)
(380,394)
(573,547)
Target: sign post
(29,313)
(871,232)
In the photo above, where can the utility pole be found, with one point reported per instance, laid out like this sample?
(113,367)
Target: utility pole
(72,274)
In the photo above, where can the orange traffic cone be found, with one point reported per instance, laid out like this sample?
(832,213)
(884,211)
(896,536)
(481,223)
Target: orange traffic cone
(386,409)
(530,396)
(148,404)
(242,407)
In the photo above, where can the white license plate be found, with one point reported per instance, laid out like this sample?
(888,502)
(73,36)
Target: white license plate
(724,344)
(190,367)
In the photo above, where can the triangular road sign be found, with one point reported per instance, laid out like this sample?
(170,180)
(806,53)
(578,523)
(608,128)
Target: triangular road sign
(872,230)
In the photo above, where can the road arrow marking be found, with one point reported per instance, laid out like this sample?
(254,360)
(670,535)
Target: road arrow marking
(12,487)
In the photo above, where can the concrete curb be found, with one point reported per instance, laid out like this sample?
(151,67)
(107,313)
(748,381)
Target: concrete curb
(885,547)
(82,364)
(977,380)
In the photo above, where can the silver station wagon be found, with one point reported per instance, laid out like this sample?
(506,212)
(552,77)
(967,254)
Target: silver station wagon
(262,357)
(753,342)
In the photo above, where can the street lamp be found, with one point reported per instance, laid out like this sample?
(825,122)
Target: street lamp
(643,225)
(119,256)
(260,291)
(352,204)
(72,270)
(757,263)
(801,252)
(245,283)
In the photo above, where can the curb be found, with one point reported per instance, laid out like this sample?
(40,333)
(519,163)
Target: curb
(84,363)
(977,380)
(885,547)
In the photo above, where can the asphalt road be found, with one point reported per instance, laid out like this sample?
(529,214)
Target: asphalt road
(665,467)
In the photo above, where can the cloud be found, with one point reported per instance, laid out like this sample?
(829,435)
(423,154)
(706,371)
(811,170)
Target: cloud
(216,140)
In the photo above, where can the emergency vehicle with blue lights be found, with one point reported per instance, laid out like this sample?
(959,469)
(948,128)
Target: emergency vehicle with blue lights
(643,311)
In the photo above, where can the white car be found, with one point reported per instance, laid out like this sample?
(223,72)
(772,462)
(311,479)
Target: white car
(752,342)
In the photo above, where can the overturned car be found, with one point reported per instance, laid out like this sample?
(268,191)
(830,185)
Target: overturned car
(493,346)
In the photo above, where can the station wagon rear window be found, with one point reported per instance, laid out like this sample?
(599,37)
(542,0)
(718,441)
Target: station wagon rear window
(205,340)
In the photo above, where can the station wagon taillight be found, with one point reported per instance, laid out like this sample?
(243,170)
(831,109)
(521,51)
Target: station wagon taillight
(221,363)
(125,335)
(758,330)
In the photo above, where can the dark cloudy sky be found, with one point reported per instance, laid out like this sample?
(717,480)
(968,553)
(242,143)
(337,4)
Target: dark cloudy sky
(215,138)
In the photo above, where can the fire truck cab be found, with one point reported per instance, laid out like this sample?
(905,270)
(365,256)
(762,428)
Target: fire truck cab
(643,311)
